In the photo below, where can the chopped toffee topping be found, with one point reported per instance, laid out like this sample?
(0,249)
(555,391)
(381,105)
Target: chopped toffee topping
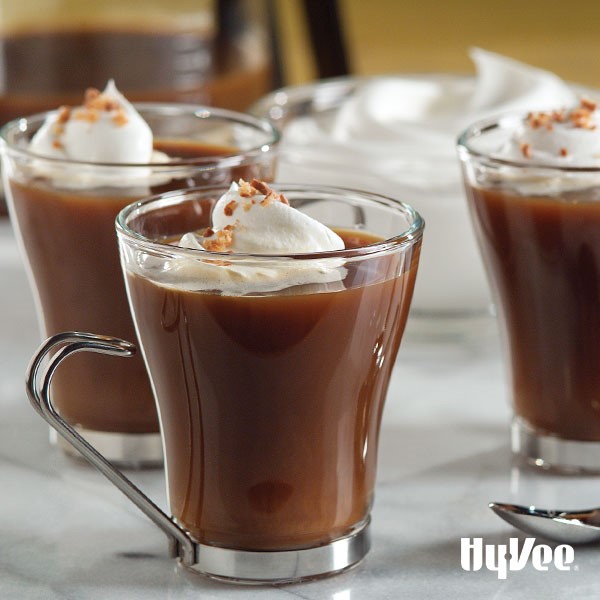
(94,103)
(261,187)
(230,207)
(222,240)
(525,150)
(581,117)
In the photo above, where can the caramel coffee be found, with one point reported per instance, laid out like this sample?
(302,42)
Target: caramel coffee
(533,185)
(67,233)
(271,383)
(268,402)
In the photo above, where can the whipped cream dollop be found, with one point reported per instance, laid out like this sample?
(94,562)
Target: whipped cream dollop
(107,129)
(567,136)
(396,135)
(251,218)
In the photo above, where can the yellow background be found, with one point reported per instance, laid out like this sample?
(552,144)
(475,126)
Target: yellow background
(404,36)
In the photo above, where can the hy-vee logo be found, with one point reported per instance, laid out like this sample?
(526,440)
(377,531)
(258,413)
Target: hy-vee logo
(502,558)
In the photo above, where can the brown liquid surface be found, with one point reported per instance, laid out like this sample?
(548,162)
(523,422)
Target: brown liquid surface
(544,258)
(271,405)
(70,242)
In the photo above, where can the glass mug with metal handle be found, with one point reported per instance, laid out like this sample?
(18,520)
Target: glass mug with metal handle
(269,389)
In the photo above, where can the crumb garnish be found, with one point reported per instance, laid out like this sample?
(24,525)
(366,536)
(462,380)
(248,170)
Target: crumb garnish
(245,189)
(589,104)
(86,114)
(525,150)
(261,186)
(64,114)
(254,188)
(94,103)
(581,117)
(120,118)
(221,241)
(230,208)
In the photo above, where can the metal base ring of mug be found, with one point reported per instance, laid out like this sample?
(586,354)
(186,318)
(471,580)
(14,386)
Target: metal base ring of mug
(282,566)
(125,450)
(553,453)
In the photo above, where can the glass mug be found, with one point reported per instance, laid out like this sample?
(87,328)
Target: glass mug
(270,399)
(538,228)
(63,213)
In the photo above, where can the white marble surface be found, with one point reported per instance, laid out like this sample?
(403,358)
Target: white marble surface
(65,533)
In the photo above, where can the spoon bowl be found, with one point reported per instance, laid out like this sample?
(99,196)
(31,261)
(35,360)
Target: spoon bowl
(563,526)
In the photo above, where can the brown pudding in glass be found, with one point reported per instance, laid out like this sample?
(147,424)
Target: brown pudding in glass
(69,240)
(543,254)
(270,405)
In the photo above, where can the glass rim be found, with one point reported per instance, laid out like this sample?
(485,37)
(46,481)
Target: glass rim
(408,237)
(329,92)
(484,126)
(21,125)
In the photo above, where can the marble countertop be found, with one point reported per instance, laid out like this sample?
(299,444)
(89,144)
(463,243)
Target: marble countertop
(66,533)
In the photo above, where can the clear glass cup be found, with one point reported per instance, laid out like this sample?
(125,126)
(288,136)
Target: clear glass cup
(538,228)
(63,213)
(270,374)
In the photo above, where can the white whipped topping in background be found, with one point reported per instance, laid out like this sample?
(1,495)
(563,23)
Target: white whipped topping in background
(397,135)
(246,220)
(105,129)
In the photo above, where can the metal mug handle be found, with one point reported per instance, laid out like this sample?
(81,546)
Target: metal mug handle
(39,377)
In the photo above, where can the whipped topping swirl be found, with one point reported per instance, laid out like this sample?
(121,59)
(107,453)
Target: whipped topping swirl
(251,218)
(559,137)
(105,129)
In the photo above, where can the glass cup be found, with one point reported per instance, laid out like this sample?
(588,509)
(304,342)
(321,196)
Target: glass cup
(270,375)
(538,228)
(64,212)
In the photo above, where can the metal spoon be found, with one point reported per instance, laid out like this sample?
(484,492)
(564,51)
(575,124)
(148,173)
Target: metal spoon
(564,526)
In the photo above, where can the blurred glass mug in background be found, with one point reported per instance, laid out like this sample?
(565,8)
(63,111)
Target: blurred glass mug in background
(63,212)
(197,51)
(270,373)
(534,202)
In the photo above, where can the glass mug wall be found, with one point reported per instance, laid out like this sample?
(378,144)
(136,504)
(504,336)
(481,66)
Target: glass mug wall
(270,398)
(538,228)
(63,213)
